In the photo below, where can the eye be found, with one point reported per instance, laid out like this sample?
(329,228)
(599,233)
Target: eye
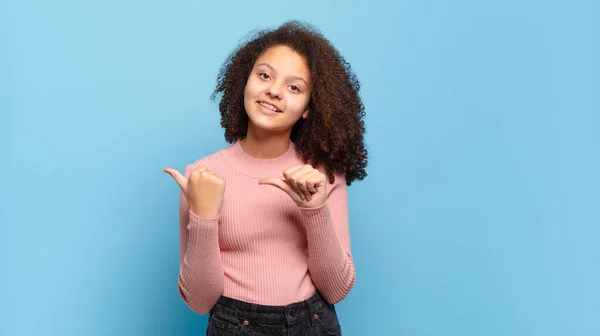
(294,88)
(263,75)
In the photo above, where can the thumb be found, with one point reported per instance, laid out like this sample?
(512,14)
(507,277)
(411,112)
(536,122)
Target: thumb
(279,183)
(180,179)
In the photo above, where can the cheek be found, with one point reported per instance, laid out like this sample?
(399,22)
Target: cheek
(253,88)
(248,89)
(298,103)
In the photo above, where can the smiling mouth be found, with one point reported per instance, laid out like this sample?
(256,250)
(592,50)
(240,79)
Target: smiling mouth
(269,106)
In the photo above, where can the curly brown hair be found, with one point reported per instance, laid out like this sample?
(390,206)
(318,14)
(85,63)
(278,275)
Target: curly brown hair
(333,132)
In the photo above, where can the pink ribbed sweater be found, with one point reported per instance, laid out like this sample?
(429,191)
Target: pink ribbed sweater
(263,248)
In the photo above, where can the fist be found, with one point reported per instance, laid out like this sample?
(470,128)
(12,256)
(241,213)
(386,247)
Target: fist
(203,190)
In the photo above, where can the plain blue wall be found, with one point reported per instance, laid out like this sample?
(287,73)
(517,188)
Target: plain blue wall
(480,215)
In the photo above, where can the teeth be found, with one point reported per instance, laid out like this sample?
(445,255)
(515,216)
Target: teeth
(270,107)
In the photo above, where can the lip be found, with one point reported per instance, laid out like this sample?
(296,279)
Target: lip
(266,110)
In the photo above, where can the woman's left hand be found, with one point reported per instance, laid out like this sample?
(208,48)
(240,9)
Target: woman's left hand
(305,185)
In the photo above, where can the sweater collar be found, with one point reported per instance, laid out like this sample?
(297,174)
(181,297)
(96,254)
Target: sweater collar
(255,167)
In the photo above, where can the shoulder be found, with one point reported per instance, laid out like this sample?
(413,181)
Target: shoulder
(213,161)
(339,184)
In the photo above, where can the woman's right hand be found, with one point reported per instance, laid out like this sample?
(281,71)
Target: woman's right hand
(203,190)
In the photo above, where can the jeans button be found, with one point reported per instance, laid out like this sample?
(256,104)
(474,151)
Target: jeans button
(291,312)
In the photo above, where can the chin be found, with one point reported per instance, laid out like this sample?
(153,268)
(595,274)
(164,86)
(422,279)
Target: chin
(267,123)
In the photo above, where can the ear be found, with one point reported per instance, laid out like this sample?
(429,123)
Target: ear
(305,114)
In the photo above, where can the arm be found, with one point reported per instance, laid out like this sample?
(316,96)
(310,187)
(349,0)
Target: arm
(200,278)
(329,257)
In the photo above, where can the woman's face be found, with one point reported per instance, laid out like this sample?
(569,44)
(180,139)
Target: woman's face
(278,90)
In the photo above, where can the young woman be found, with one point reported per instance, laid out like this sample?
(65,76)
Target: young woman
(265,244)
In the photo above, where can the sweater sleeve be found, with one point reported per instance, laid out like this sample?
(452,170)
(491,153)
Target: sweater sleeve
(200,278)
(329,257)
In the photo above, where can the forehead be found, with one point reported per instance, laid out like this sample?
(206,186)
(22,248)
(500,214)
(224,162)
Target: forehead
(286,61)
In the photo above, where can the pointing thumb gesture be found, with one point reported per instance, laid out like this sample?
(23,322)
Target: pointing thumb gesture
(304,184)
(180,179)
(283,185)
(203,190)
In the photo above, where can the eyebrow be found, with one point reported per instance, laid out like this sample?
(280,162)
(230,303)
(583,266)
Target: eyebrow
(290,77)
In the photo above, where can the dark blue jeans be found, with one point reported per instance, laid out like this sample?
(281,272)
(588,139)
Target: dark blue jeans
(311,317)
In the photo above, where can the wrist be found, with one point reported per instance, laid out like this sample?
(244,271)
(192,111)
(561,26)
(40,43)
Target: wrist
(203,213)
(312,206)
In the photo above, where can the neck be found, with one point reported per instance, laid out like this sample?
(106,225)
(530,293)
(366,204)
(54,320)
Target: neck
(262,144)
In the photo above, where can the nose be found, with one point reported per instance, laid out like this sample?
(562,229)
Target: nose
(274,91)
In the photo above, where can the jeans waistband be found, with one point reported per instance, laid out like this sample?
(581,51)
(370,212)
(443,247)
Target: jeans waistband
(290,313)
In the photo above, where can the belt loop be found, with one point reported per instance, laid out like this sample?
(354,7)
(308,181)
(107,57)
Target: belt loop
(253,315)
(310,313)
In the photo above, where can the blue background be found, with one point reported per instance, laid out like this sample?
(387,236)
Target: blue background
(480,214)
